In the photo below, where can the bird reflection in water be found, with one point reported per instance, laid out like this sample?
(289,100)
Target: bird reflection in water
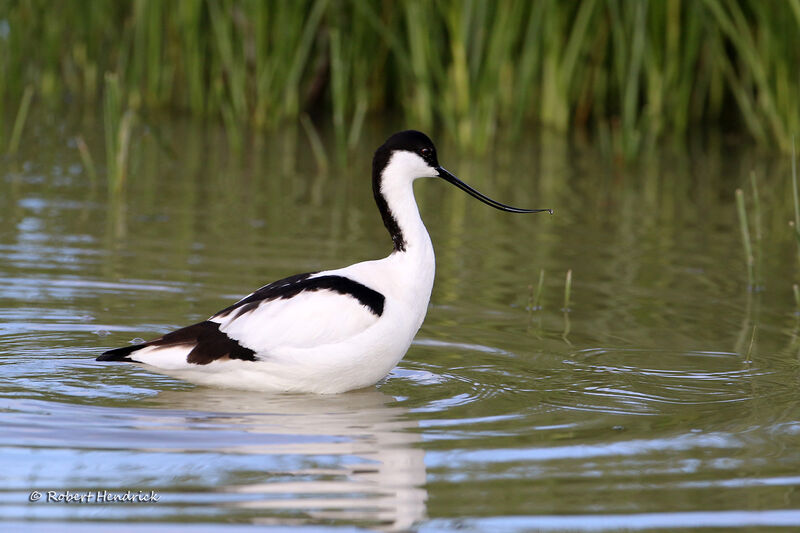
(351,457)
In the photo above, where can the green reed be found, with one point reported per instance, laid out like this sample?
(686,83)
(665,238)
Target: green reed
(753,253)
(796,197)
(752,244)
(87,159)
(796,290)
(566,309)
(758,233)
(117,126)
(746,243)
(629,72)
(19,122)
(567,290)
(535,302)
(795,224)
(317,146)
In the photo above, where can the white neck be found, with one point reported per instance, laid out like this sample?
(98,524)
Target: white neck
(415,258)
(403,207)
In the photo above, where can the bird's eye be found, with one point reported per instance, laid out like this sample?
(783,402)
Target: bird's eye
(425,152)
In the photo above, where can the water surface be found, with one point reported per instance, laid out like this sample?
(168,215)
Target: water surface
(665,396)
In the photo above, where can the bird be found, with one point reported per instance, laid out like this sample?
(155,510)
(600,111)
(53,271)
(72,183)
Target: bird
(330,331)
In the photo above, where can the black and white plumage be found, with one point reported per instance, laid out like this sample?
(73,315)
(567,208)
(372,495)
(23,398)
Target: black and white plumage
(329,331)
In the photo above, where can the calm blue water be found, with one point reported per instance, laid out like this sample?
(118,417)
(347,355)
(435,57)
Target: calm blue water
(667,397)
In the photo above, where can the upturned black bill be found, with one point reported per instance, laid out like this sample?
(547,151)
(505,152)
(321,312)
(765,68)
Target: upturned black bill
(444,174)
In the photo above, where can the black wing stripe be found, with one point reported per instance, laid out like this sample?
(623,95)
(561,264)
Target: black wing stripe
(210,344)
(290,287)
(268,292)
(120,354)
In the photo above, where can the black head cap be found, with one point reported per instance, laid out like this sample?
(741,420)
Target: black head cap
(411,141)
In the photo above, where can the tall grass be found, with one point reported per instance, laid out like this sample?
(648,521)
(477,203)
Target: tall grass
(630,72)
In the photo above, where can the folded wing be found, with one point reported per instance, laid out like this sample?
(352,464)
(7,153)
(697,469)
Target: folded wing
(301,311)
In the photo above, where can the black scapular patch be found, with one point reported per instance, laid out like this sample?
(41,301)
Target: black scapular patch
(210,344)
(294,285)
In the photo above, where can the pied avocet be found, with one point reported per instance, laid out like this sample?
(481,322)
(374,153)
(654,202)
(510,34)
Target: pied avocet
(329,331)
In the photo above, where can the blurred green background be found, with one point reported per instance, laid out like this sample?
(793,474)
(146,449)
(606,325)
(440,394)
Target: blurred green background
(627,74)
